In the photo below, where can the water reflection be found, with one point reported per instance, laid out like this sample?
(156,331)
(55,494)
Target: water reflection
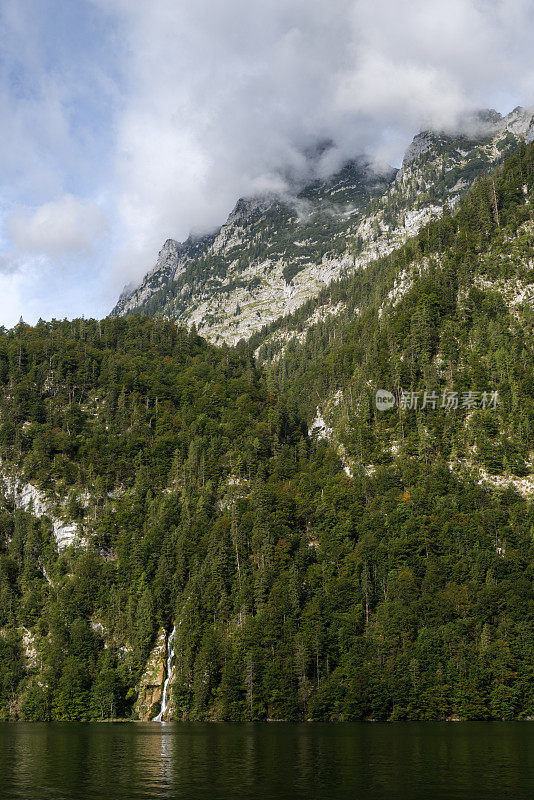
(408,761)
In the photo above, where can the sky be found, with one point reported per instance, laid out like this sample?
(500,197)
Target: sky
(127,122)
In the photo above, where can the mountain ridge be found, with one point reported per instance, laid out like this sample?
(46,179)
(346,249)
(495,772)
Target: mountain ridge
(344,563)
(379,570)
(275,252)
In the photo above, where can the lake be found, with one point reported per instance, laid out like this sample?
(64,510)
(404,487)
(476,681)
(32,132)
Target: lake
(419,761)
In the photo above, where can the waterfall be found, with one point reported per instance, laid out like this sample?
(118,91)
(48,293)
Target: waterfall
(164,696)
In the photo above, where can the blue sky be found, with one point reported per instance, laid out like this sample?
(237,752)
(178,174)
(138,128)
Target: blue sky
(126,122)
(59,93)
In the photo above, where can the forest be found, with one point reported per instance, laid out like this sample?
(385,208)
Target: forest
(383,572)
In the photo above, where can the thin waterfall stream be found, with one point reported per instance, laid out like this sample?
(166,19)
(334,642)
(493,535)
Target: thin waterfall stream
(164,696)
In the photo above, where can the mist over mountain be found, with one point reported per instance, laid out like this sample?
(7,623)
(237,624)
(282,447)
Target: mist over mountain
(126,124)
(290,474)
(235,526)
(278,249)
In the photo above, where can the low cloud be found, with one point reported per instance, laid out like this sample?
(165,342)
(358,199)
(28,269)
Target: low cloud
(224,97)
(68,226)
(168,111)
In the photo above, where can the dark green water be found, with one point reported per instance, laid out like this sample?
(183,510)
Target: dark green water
(404,761)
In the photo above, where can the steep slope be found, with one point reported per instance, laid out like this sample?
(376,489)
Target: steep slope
(450,315)
(400,587)
(274,253)
(144,436)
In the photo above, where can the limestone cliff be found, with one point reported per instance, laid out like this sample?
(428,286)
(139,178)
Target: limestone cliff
(150,687)
(275,252)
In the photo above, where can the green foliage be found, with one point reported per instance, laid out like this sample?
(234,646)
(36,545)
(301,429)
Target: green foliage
(402,592)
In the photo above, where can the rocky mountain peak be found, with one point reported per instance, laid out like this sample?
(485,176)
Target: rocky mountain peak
(247,207)
(488,116)
(475,126)
(169,252)
(276,251)
(518,120)
(421,143)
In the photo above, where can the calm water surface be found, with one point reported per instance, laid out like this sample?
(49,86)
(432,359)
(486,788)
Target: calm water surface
(400,761)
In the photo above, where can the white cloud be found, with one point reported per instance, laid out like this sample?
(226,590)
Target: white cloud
(222,96)
(57,88)
(167,111)
(64,227)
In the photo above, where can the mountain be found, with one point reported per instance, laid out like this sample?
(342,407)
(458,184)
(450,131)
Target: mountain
(462,308)
(177,517)
(272,254)
(276,252)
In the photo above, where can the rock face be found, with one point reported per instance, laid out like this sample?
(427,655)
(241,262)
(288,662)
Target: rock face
(163,272)
(150,687)
(275,252)
(28,497)
(422,143)
(271,255)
